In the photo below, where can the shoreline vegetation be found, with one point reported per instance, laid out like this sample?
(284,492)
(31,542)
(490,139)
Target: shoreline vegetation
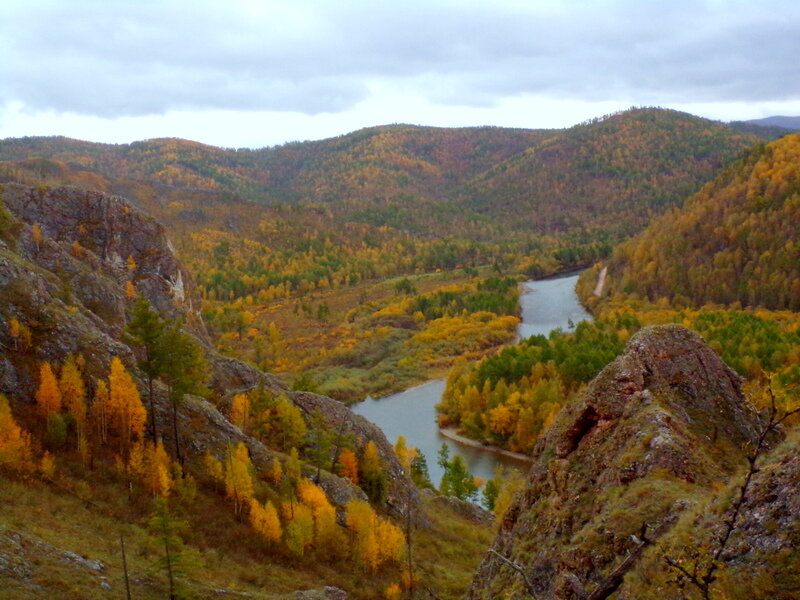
(452,434)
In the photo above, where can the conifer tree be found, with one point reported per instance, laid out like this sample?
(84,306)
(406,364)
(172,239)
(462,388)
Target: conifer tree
(457,480)
(48,396)
(275,472)
(264,520)
(73,396)
(282,423)
(100,410)
(238,481)
(374,480)
(184,370)
(348,465)
(15,445)
(240,411)
(320,442)
(145,331)
(293,466)
(178,561)
(130,291)
(126,411)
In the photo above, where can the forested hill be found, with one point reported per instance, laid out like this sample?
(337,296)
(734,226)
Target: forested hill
(608,177)
(735,241)
(377,160)
(602,179)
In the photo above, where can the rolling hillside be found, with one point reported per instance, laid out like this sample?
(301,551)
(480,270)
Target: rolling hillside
(602,179)
(734,242)
(607,178)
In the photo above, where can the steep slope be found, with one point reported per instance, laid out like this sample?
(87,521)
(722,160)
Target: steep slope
(648,438)
(760,559)
(609,177)
(735,241)
(66,259)
(68,288)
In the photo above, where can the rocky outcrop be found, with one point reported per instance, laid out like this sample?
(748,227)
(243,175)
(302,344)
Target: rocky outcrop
(22,554)
(657,428)
(761,556)
(66,257)
(108,231)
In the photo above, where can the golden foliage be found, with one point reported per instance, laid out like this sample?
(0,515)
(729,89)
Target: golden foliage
(376,540)
(47,466)
(214,467)
(20,334)
(36,235)
(275,471)
(48,396)
(405,454)
(240,411)
(299,530)
(238,480)
(265,521)
(126,413)
(130,291)
(15,444)
(156,469)
(73,395)
(348,465)
(100,410)
(393,592)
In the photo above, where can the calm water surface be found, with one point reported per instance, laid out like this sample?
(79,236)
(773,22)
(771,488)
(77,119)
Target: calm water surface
(546,305)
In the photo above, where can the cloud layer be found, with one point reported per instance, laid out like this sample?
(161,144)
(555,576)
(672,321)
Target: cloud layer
(115,59)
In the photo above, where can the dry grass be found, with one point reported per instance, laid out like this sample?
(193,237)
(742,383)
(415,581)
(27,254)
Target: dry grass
(51,518)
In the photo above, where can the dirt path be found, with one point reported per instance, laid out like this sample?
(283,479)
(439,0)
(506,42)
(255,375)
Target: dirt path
(601,281)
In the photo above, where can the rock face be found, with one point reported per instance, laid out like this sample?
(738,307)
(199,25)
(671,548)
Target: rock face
(762,555)
(650,435)
(67,283)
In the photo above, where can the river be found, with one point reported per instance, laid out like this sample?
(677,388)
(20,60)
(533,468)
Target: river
(546,304)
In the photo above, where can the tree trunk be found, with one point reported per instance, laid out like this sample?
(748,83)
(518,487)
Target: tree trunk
(178,455)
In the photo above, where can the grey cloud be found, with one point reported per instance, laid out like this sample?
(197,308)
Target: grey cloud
(134,58)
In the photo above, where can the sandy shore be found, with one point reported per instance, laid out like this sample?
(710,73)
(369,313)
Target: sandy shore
(453,435)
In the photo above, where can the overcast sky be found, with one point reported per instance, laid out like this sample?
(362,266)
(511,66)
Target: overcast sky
(256,73)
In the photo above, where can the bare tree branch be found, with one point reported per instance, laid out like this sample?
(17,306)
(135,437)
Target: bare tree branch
(702,576)
(528,583)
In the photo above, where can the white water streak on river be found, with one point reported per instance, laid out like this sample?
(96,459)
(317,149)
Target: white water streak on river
(546,305)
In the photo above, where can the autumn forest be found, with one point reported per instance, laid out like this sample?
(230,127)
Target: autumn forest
(183,329)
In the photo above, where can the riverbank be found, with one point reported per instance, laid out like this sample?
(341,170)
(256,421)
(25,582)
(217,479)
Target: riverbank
(552,304)
(452,434)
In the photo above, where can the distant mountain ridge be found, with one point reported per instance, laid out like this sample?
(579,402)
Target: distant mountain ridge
(792,123)
(602,180)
